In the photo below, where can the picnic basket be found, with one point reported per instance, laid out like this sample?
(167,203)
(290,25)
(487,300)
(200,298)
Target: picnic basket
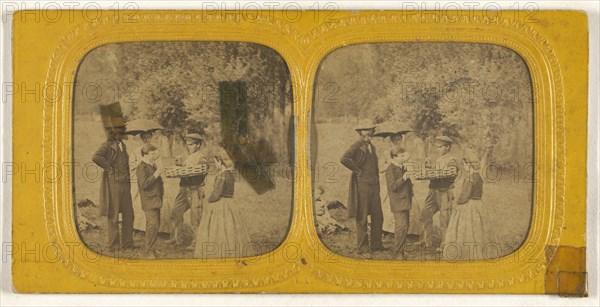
(186,171)
(436,173)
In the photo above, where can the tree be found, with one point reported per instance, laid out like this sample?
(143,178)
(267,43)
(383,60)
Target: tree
(169,110)
(477,94)
(177,83)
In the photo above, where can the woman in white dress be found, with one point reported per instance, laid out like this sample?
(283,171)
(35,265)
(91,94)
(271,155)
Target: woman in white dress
(470,235)
(222,232)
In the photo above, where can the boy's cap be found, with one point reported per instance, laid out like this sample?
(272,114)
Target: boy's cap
(193,138)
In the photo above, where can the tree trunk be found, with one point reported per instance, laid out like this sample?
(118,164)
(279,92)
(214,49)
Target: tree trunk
(170,146)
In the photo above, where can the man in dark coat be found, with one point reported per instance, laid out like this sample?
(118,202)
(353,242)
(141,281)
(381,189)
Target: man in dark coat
(115,189)
(364,198)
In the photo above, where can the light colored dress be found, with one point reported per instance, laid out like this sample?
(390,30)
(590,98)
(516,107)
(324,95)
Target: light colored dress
(222,232)
(470,235)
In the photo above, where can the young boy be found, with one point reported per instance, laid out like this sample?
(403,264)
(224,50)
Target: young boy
(191,192)
(151,194)
(400,192)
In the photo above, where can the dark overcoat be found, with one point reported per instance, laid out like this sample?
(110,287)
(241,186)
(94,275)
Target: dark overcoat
(112,176)
(353,159)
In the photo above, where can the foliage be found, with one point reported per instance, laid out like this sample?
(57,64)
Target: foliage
(177,84)
(477,94)
(168,107)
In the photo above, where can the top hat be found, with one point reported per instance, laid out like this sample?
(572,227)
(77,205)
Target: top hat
(112,116)
(116,122)
(364,125)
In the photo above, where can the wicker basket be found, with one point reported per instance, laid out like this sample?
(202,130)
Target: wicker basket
(431,174)
(186,171)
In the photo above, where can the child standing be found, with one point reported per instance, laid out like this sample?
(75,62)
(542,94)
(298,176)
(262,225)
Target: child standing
(151,194)
(400,192)
(469,235)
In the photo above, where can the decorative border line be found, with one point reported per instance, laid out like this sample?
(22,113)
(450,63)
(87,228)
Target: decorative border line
(302,207)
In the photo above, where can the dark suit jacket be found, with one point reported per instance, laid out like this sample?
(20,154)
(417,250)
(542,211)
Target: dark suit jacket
(112,174)
(151,188)
(400,191)
(353,159)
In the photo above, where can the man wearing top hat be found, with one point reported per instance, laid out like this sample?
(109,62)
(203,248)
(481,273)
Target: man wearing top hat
(440,197)
(115,188)
(364,198)
(191,193)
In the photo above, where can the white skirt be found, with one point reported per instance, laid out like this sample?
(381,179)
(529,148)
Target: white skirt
(469,235)
(222,232)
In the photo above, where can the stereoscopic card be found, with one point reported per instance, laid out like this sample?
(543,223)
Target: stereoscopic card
(255,151)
